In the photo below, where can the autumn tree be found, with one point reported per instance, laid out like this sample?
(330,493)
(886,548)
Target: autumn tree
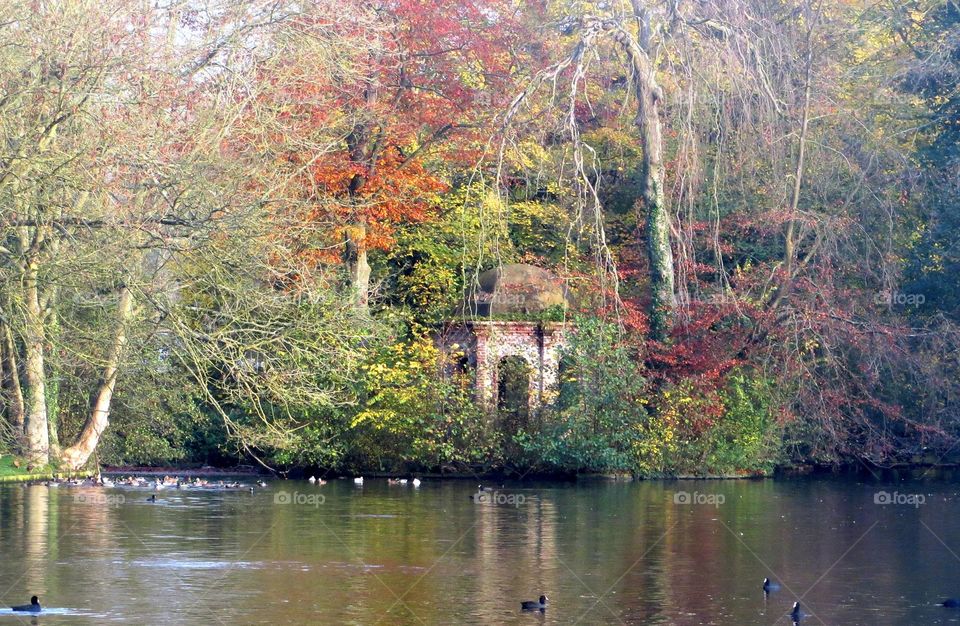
(117,119)
(423,84)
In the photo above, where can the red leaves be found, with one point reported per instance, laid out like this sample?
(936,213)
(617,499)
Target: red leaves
(393,191)
(418,82)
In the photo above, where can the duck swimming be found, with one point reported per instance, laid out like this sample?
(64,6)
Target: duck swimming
(796,613)
(33,607)
(532,605)
(951,603)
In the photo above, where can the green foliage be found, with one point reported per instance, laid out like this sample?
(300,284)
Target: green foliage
(473,231)
(539,229)
(694,431)
(418,411)
(933,265)
(426,268)
(747,436)
(600,405)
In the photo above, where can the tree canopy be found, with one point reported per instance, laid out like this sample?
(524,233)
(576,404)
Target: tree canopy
(236,229)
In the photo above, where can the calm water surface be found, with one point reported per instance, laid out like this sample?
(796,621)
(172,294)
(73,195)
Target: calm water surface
(604,553)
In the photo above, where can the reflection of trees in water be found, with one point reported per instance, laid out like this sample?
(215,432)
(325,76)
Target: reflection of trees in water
(531,552)
(36,533)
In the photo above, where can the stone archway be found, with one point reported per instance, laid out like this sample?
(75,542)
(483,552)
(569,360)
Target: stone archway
(497,324)
(488,343)
(514,374)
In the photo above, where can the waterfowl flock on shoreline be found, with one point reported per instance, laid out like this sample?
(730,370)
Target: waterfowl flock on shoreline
(156,484)
(196,483)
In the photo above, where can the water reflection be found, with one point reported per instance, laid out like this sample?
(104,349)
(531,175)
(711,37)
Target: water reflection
(602,553)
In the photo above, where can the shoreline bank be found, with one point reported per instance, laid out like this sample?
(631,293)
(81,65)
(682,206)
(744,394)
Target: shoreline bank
(900,471)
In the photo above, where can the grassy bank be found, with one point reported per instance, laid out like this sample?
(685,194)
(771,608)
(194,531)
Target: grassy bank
(14,469)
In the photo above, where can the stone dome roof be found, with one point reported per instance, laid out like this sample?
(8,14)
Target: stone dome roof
(517,289)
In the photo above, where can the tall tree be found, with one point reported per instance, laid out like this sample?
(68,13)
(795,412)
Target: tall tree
(426,75)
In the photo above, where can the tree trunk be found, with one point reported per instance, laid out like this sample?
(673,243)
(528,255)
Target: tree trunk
(659,252)
(53,412)
(364,144)
(358,268)
(790,244)
(76,456)
(36,430)
(11,378)
(790,237)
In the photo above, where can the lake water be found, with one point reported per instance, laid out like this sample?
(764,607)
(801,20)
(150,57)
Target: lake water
(675,552)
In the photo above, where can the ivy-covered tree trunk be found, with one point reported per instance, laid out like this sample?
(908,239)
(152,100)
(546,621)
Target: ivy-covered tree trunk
(662,299)
(53,410)
(652,206)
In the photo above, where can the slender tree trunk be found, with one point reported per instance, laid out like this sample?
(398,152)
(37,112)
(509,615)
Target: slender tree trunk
(11,378)
(790,237)
(659,252)
(36,430)
(53,412)
(76,456)
(790,243)
(364,144)
(51,331)
(358,268)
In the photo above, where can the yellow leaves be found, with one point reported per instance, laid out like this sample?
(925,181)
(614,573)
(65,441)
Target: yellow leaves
(472,76)
(530,155)
(876,41)
(613,140)
(916,15)
(399,380)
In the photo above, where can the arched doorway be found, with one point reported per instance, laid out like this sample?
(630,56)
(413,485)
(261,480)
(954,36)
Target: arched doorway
(567,382)
(513,394)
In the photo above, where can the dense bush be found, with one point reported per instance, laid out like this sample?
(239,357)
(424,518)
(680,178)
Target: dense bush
(600,408)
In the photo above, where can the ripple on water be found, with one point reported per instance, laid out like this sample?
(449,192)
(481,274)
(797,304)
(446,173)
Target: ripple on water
(214,564)
(174,563)
(48,611)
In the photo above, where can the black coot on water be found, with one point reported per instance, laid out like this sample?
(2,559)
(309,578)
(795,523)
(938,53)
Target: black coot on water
(531,605)
(33,607)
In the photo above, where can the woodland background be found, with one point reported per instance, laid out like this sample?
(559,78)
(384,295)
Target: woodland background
(230,228)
